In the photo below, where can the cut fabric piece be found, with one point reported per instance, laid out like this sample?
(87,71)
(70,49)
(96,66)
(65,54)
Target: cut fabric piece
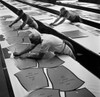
(84,92)
(63,79)
(32,79)
(50,62)
(5,28)
(17,39)
(65,27)
(9,33)
(24,63)
(13,40)
(18,47)
(5,23)
(75,34)
(45,92)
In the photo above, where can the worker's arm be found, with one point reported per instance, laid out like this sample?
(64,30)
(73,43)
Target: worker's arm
(60,22)
(56,20)
(33,55)
(15,21)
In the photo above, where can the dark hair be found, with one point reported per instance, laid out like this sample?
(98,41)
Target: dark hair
(63,12)
(62,9)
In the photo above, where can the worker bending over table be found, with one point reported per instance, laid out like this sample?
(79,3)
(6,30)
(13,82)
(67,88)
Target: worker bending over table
(49,43)
(65,14)
(26,20)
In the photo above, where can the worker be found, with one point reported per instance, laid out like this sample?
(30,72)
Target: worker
(26,20)
(49,43)
(65,14)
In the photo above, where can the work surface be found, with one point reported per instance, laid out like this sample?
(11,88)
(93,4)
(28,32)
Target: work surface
(68,76)
(60,76)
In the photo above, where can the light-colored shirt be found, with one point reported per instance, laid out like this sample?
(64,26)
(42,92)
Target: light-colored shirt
(51,43)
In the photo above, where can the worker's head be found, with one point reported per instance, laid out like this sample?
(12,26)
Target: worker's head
(63,10)
(20,12)
(35,37)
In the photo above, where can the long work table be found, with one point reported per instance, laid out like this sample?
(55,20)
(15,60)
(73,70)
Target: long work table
(92,83)
(85,82)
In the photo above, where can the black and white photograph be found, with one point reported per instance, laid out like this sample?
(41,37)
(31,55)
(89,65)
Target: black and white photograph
(50,48)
